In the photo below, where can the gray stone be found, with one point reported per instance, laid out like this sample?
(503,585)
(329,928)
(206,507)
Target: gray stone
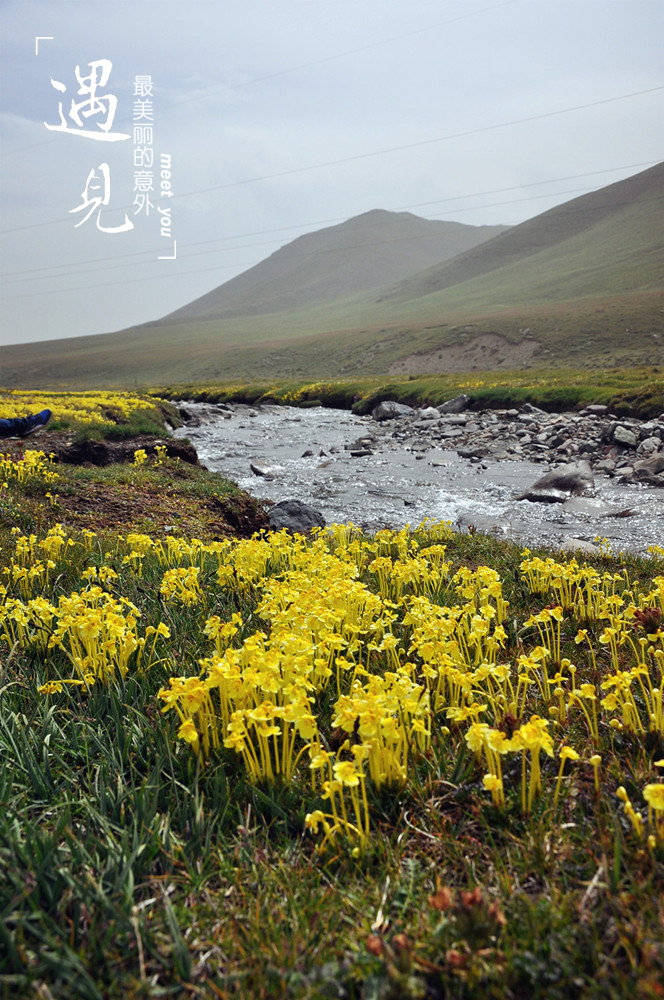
(648,446)
(456,405)
(623,435)
(389,409)
(456,420)
(529,408)
(474,451)
(544,495)
(295,516)
(596,409)
(555,486)
(261,470)
(579,545)
(429,413)
(654,465)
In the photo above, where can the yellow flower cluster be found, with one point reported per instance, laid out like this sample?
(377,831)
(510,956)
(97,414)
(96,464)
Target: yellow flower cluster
(334,661)
(74,407)
(33,467)
(97,633)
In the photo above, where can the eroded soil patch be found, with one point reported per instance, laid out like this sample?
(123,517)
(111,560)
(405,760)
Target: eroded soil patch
(489,350)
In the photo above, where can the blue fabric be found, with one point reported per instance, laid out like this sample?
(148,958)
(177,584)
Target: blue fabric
(12,426)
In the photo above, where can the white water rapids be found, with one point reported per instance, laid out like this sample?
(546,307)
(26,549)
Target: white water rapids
(393,486)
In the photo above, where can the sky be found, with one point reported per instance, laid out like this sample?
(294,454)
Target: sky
(281,118)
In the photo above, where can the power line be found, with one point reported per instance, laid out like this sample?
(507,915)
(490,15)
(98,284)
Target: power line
(182,274)
(380,152)
(422,142)
(337,220)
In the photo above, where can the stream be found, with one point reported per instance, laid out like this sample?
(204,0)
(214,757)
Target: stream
(394,485)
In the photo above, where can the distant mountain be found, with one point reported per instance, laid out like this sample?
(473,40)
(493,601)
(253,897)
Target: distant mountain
(623,220)
(368,251)
(579,285)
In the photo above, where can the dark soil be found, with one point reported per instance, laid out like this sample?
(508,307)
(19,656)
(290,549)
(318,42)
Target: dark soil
(171,503)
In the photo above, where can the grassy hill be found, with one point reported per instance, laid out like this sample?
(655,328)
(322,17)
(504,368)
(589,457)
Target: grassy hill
(579,285)
(365,252)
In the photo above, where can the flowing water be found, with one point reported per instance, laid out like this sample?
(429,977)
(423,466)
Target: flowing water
(396,486)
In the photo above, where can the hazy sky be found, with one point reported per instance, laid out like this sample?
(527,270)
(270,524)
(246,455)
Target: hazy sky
(283,117)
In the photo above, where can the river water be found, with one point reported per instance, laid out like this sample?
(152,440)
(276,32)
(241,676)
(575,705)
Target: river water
(396,486)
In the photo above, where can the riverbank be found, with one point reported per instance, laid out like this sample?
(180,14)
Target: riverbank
(637,392)
(467,468)
(506,846)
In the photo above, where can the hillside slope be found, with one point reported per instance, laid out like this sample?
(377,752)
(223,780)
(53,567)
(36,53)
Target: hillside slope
(584,282)
(637,204)
(365,252)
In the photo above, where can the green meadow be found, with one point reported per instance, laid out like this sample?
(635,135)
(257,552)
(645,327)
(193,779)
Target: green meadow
(415,765)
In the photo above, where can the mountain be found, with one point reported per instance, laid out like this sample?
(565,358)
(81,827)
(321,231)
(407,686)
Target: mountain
(368,251)
(621,221)
(579,285)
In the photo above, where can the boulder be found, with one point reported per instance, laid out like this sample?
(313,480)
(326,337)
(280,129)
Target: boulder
(456,405)
(295,516)
(653,465)
(579,545)
(261,470)
(596,409)
(648,446)
(625,436)
(557,485)
(389,409)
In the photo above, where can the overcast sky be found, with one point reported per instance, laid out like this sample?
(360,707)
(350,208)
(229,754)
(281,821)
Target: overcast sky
(284,117)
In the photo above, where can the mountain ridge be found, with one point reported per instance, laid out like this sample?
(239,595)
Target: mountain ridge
(329,263)
(584,281)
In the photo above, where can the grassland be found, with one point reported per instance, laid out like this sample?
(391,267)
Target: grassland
(635,391)
(137,862)
(581,283)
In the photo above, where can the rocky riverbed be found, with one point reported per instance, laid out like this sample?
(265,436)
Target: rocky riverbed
(402,465)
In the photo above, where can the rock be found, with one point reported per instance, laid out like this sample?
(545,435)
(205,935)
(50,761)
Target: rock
(529,408)
(623,435)
(596,409)
(648,478)
(261,470)
(579,545)
(429,413)
(307,454)
(389,409)
(653,465)
(479,451)
(456,405)
(555,486)
(648,446)
(361,453)
(295,516)
(544,495)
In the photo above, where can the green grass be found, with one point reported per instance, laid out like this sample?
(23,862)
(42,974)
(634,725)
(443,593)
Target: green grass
(584,278)
(131,871)
(637,391)
(592,332)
